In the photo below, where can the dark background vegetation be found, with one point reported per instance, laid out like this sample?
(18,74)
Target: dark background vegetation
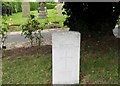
(92,18)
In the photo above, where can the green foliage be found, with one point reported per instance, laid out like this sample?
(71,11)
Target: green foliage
(3,31)
(16,6)
(13,7)
(6,8)
(32,29)
(92,18)
(118,22)
(50,5)
(33,6)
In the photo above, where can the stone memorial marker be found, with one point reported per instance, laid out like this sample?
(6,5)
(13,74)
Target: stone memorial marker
(116,31)
(42,10)
(25,9)
(65,57)
(58,8)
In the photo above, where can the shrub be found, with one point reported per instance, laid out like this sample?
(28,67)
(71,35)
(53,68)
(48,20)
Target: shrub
(50,5)
(6,8)
(92,19)
(32,30)
(33,6)
(3,32)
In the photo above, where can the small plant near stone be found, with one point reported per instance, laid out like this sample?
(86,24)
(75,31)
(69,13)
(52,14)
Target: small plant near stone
(32,30)
(3,32)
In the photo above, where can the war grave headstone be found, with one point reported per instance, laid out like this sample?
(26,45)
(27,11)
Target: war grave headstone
(65,57)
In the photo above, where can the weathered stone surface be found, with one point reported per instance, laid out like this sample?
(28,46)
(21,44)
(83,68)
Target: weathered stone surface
(116,31)
(58,8)
(42,14)
(42,11)
(25,9)
(65,57)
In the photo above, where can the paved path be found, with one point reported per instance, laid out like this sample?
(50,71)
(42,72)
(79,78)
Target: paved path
(15,39)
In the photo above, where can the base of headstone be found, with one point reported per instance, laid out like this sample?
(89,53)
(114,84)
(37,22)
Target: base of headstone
(42,14)
(24,15)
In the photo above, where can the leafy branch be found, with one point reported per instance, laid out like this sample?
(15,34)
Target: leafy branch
(3,32)
(32,30)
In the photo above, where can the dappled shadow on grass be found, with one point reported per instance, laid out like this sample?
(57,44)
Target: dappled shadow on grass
(99,60)
(99,45)
(44,49)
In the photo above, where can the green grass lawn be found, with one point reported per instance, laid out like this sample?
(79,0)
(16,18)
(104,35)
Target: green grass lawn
(103,69)
(34,69)
(99,65)
(37,69)
(17,18)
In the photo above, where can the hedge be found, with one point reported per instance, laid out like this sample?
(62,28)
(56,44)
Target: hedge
(50,5)
(16,6)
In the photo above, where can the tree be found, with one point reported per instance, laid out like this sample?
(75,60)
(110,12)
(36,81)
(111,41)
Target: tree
(91,18)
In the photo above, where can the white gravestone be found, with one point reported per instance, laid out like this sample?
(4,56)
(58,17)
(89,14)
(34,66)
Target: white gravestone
(65,57)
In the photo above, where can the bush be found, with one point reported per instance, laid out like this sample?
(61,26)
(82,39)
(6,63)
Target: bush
(11,7)
(33,6)
(3,31)
(92,19)
(16,6)
(6,8)
(50,5)
(32,29)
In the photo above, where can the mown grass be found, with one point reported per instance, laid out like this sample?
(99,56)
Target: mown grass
(17,19)
(102,69)
(37,69)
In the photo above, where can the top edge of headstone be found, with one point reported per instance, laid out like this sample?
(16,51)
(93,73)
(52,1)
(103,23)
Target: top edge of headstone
(66,32)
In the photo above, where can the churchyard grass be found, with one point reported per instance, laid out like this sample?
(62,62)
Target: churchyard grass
(37,69)
(34,69)
(17,19)
(101,69)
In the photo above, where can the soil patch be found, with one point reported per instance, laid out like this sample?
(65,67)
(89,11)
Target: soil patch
(44,49)
(96,46)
